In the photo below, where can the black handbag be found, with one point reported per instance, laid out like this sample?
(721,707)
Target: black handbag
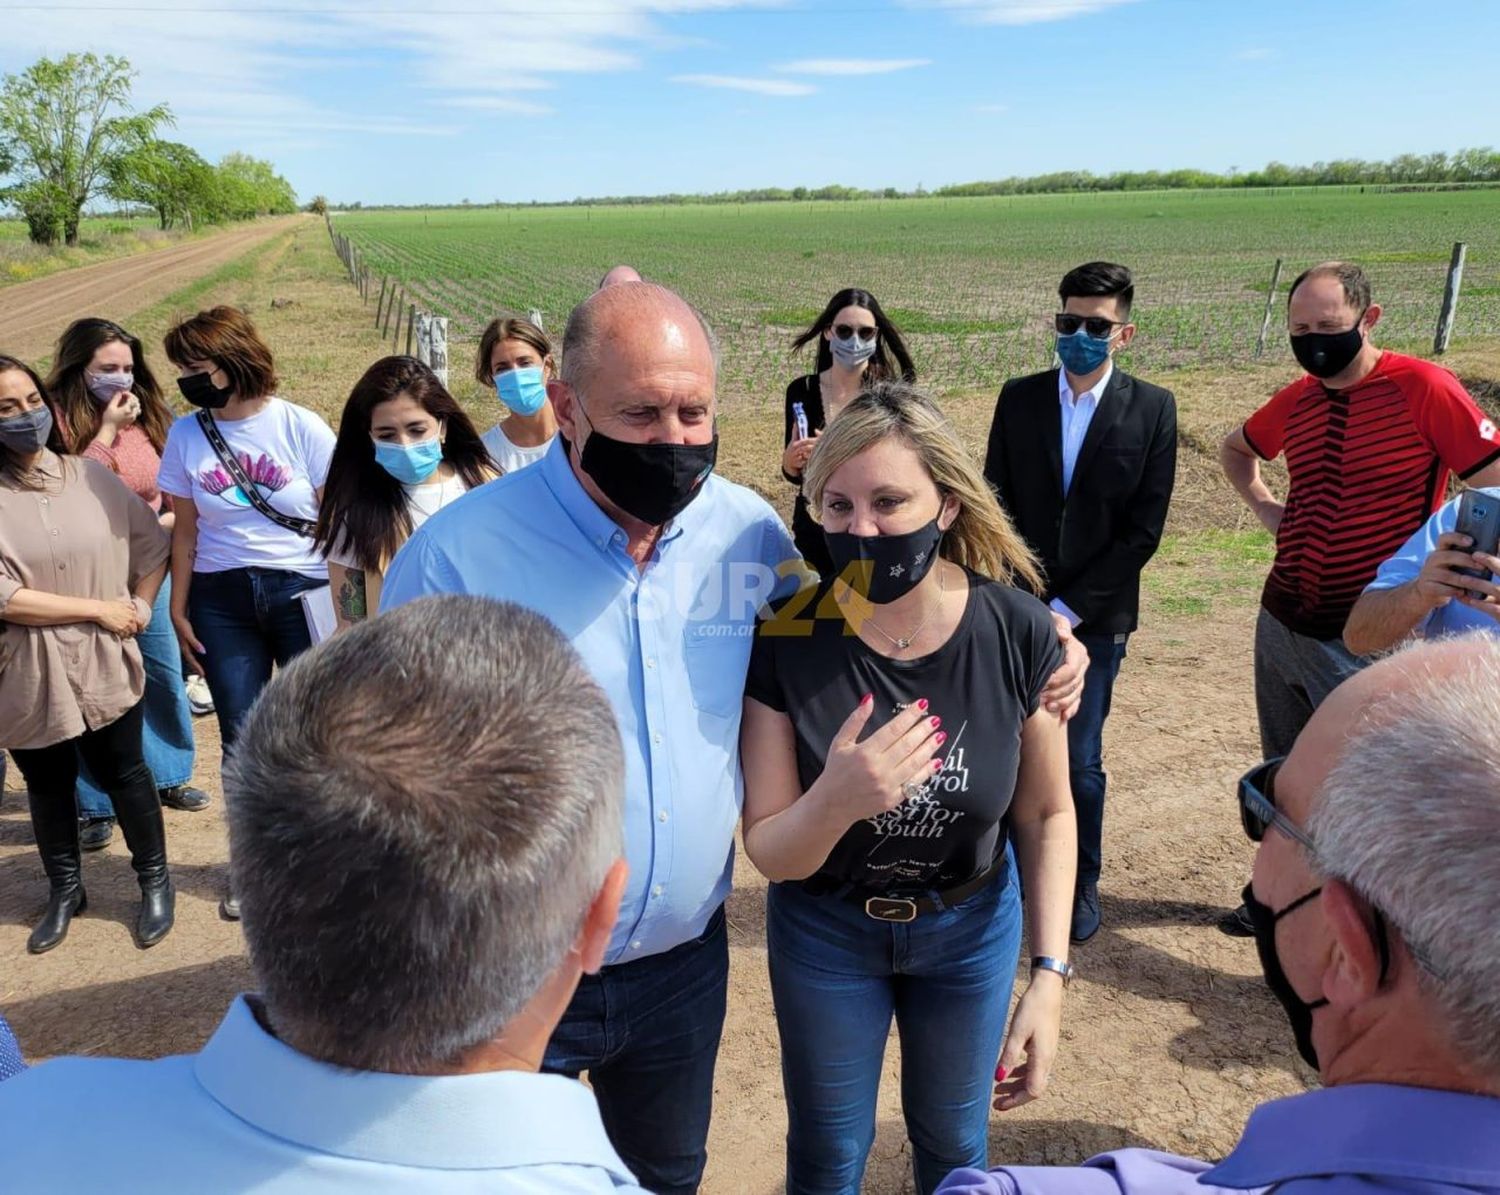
(237,472)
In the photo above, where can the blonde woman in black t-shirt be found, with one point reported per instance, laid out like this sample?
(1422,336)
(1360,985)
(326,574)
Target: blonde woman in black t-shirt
(857,347)
(894,731)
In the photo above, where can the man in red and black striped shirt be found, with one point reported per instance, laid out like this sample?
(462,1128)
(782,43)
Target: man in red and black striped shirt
(1370,438)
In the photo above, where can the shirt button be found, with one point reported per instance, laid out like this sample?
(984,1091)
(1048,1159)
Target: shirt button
(656,892)
(656,739)
(54,531)
(650,662)
(636,945)
(662,816)
(44,501)
(62,564)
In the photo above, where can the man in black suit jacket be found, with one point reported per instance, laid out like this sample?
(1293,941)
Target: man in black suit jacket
(1084,458)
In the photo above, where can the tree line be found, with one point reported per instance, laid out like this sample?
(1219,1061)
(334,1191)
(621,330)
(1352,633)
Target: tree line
(68,135)
(1478,166)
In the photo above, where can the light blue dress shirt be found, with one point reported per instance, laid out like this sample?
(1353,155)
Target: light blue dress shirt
(1455,617)
(249,1113)
(1357,1139)
(669,645)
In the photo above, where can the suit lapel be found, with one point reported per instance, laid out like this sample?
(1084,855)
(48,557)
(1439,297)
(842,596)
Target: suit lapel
(1049,424)
(1111,410)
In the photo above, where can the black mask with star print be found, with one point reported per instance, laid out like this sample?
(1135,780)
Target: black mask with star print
(884,567)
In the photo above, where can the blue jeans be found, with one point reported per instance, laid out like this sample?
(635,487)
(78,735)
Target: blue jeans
(837,976)
(167,739)
(648,1034)
(248,620)
(1086,750)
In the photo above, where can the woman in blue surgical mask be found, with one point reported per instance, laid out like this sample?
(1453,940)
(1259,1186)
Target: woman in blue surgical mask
(516,359)
(405,450)
(857,347)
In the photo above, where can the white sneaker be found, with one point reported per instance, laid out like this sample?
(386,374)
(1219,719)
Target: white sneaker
(200,700)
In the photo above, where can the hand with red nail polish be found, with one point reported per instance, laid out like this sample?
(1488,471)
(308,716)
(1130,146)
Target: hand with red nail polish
(863,779)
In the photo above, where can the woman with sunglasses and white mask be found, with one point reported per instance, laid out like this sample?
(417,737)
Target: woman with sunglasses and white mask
(515,357)
(405,450)
(894,736)
(112,409)
(857,347)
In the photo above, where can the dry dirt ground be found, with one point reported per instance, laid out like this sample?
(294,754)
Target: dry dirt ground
(33,313)
(1170,1037)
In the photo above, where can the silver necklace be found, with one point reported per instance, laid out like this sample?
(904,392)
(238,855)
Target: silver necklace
(903,643)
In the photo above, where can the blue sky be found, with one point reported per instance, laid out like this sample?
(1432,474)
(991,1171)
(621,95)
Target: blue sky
(550,99)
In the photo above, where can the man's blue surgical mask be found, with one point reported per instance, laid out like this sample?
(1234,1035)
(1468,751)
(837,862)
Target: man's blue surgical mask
(522,390)
(410,464)
(1081,353)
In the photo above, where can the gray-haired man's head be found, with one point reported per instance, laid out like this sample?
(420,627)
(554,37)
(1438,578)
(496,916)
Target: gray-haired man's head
(421,813)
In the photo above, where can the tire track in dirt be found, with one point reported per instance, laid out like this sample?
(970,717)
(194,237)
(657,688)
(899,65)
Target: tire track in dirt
(32,314)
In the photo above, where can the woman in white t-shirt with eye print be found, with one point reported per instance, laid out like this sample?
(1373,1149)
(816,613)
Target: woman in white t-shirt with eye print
(515,357)
(405,450)
(242,550)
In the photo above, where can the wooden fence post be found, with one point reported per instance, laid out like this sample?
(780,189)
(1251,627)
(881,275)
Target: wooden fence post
(380,302)
(1450,299)
(411,318)
(386,330)
(1265,320)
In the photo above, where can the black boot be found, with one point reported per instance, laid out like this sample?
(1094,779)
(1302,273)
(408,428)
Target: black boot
(55,824)
(138,812)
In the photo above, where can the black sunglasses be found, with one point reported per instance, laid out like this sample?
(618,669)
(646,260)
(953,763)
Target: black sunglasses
(1097,326)
(1258,812)
(845,331)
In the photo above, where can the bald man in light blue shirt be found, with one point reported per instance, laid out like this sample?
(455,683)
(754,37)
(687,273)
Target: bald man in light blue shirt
(414,939)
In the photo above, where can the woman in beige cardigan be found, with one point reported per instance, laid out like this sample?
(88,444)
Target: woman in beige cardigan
(81,559)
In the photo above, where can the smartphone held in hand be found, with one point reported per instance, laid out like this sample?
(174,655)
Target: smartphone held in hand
(1479,519)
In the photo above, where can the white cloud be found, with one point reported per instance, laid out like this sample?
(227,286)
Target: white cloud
(256,75)
(778,87)
(850,66)
(1022,12)
(496,103)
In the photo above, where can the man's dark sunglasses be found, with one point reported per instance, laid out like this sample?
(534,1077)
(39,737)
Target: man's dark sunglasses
(1096,325)
(1258,812)
(845,331)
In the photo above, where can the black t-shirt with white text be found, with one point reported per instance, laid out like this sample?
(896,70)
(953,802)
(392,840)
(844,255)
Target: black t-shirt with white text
(984,683)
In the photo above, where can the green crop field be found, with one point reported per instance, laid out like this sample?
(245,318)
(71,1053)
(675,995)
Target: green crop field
(971,282)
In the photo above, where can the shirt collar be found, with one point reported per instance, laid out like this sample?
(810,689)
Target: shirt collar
(1375,1129)
(49,464)
(1094,392)
(587,515)
(496,1120)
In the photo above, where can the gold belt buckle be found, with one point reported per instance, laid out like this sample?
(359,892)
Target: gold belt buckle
(891,908)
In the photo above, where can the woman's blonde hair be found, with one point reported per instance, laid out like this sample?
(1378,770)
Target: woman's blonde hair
(982,537)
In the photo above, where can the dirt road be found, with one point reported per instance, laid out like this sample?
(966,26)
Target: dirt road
(33,313)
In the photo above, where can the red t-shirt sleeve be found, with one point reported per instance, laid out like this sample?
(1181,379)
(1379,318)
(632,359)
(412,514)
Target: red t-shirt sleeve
(1265,431)
(1464,437)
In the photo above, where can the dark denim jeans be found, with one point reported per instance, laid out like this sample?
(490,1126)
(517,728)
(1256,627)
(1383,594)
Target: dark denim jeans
(647,1032)
(167,740)
(838,976)
(248,620)
(1086,750)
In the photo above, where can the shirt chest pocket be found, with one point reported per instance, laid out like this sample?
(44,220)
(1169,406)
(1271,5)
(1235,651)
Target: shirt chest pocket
(716,656)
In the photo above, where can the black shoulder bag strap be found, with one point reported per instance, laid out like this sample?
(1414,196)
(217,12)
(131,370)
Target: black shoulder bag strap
(237,472)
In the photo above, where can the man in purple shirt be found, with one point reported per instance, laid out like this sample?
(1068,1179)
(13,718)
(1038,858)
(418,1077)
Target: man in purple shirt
(1373,900)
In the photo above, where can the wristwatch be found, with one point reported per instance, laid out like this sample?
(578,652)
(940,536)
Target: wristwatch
(1044,963)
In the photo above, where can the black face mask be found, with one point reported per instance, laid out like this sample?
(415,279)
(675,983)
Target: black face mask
(199,389)
(1298,1011)
(1326,354)
(650,482)
(884,567)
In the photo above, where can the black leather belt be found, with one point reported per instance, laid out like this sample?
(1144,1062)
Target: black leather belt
(899,909)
